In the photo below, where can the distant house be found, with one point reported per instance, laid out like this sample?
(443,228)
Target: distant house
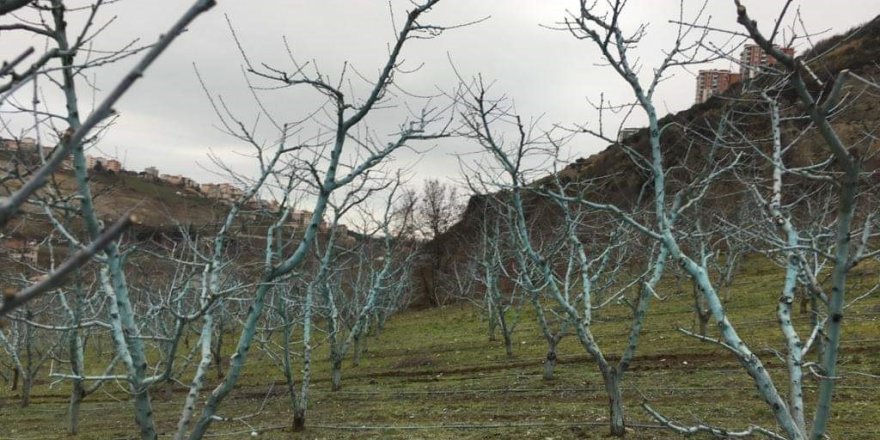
(29,148)
(25,143)
(178,180)
(221,191)
(300,219)
(113,165)
(25,251)
(103,163)
(93,163)
(151,171)
(341,230)
(626,133)
(262,205)
(272,206)
(342,236)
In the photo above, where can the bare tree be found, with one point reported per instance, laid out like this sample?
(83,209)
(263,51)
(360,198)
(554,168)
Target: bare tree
(381,262)
(604,29)
(438,209)
(592,267)
(73,57)
(502,307)
(327,172)
(820,109)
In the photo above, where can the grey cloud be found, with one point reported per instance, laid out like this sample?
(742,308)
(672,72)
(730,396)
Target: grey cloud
(167,121)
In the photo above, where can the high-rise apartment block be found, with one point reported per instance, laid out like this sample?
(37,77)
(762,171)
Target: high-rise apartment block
(714,82)
(753,62)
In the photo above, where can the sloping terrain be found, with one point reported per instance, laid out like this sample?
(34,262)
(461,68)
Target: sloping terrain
(610,176)
(158,205)
(433,374)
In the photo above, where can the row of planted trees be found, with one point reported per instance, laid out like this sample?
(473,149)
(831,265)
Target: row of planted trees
(157,312)
(769,172)
(155,309)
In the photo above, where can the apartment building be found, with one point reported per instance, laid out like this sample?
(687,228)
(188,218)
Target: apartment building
(754,61)
(714,82)
(221,191)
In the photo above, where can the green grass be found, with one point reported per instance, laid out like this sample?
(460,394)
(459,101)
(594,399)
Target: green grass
(434,374)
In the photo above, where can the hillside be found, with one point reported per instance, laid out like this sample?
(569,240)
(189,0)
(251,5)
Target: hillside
(611,177)
(433,374)
(158,205)
(857,50)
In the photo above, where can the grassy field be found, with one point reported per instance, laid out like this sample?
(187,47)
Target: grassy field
(434,374)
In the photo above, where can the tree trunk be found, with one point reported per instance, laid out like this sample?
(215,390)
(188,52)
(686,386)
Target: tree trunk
(380,325)
(428,285)
(286,364)
(15,375)
(550,362)
(814,320)
(493,319)
(218,348)
(701,310)
(26,385)
(198,380)
(77,392)
(300,404)
(299,420)
(704,323)
(336,375)
(805,296)
(615,402)
(76,398)
(505,333)
(356,356)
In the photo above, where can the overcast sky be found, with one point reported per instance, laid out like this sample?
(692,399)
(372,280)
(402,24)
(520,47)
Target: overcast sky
(166,120)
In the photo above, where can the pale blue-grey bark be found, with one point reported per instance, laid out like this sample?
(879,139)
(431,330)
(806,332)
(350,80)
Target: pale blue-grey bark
(605,31)
(327,183)
(848,186)
(372,286)
(125,330)
(575,298)
(503,310)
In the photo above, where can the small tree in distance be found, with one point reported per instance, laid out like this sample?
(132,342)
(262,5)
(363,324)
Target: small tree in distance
(438,209)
